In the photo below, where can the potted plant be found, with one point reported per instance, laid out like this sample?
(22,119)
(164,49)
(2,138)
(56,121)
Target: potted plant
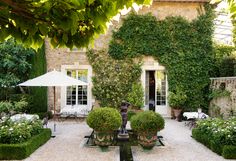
(147,124)
(176,101)
(104,121)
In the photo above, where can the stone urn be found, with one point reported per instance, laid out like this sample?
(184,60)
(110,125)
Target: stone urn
(147,139)
(103,138)
(104,121)
(146,125)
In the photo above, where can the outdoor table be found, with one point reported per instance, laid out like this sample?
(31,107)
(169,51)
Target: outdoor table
(192,117)
(195,115)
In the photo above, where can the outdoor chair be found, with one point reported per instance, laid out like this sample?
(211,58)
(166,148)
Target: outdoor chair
(74,112)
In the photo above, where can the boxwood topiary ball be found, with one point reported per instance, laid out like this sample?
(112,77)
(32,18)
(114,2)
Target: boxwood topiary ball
(104,119)
(147,121)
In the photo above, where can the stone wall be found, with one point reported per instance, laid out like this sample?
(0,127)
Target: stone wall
(164,9)
(223,106)
(57,57)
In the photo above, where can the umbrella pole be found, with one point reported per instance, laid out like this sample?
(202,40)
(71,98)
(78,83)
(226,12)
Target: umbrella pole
(54,107)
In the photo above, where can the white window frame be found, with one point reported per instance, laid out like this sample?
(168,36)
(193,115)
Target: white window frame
(64,69)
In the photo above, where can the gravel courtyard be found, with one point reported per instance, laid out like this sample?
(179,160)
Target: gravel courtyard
(179,146)
(69,145)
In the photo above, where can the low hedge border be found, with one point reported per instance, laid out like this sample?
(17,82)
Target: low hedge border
(23,150)
(227,151)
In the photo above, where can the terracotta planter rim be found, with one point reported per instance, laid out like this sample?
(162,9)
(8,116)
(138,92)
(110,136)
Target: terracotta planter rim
(177,108)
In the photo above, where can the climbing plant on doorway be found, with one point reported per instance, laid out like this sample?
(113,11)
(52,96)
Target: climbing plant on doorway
(113,79)
(183,47)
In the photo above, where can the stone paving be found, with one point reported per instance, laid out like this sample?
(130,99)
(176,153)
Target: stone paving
(68,145)
(179,146)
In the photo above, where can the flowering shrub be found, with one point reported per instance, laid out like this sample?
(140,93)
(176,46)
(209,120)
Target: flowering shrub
(20,131)
(219,130)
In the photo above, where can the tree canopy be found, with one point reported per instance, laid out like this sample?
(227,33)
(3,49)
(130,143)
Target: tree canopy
(232,8)
(66,22)
(14,63)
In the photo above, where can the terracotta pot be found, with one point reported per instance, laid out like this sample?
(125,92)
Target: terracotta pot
(172,114)
(147,139)
(177,113)
(102,138)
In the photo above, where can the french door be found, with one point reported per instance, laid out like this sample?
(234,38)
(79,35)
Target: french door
(161,92)
(156,91)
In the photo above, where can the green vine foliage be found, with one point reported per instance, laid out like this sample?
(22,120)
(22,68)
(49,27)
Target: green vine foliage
(216,93)
(113,79)
(135,96)
(183,47)
(224,61)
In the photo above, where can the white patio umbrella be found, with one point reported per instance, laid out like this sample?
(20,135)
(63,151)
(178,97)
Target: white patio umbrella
(53,79)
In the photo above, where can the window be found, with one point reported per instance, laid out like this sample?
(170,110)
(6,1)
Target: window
(77,95)
(160,88)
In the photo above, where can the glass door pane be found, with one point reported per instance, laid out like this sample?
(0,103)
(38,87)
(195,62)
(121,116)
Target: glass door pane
(71,95)
(147,88)
(82,90)
(160,88)
(71,90)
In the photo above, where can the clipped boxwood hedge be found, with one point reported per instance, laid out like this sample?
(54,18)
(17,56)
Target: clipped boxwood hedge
(200,137)
(130,114)
(104,119)
(23,150)
(147,121)
(216,147)
(227,151)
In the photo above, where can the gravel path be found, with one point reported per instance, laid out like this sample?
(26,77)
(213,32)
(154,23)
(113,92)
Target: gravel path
(179,146)
(68,145)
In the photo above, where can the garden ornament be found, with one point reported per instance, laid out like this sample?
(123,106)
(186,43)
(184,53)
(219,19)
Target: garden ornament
(123,112)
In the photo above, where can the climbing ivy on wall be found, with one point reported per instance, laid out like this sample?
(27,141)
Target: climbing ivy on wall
(224,61)
(113,79)
(183,47)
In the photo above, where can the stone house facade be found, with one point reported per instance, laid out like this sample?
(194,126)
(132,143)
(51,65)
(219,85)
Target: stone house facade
(75,63)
